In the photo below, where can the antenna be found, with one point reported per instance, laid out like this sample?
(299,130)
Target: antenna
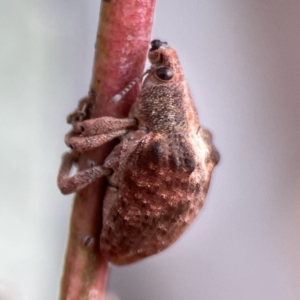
(118,97)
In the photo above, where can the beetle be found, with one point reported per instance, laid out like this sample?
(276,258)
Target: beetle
(158,174)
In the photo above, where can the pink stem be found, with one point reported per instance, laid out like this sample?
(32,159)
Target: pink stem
(121,48)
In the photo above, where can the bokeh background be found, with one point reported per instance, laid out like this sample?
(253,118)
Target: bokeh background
(242,61)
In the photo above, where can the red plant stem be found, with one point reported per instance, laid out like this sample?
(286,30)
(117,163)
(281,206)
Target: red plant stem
(121,47)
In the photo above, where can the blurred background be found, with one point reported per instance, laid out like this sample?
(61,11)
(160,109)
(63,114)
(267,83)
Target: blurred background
(242,62)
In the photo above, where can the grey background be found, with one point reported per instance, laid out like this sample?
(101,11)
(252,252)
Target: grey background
(241,59)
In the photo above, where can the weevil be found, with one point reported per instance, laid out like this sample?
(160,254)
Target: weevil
(158,174)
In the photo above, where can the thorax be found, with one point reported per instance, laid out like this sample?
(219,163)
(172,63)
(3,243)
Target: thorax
(166,108)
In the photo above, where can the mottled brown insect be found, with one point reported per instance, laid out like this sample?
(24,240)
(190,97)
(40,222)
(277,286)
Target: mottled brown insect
(160,171)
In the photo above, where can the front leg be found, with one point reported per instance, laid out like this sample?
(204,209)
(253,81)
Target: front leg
(103,125)
(83,110)
(83,144)
(91,134)
(68,185)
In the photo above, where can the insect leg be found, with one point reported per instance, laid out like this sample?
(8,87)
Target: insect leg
(82,112)
(68,185)
(102,125)
(83,144)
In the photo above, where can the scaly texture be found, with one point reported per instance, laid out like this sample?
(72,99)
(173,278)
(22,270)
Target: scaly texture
(161,170)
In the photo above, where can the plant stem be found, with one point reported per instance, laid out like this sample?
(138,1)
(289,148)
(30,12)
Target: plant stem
(121,47)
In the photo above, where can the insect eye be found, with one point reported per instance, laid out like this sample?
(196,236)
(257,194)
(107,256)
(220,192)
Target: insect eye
(164,73)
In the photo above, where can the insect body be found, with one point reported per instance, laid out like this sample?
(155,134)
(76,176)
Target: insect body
(158,174)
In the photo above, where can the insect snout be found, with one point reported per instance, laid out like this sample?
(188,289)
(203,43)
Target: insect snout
(156,44)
